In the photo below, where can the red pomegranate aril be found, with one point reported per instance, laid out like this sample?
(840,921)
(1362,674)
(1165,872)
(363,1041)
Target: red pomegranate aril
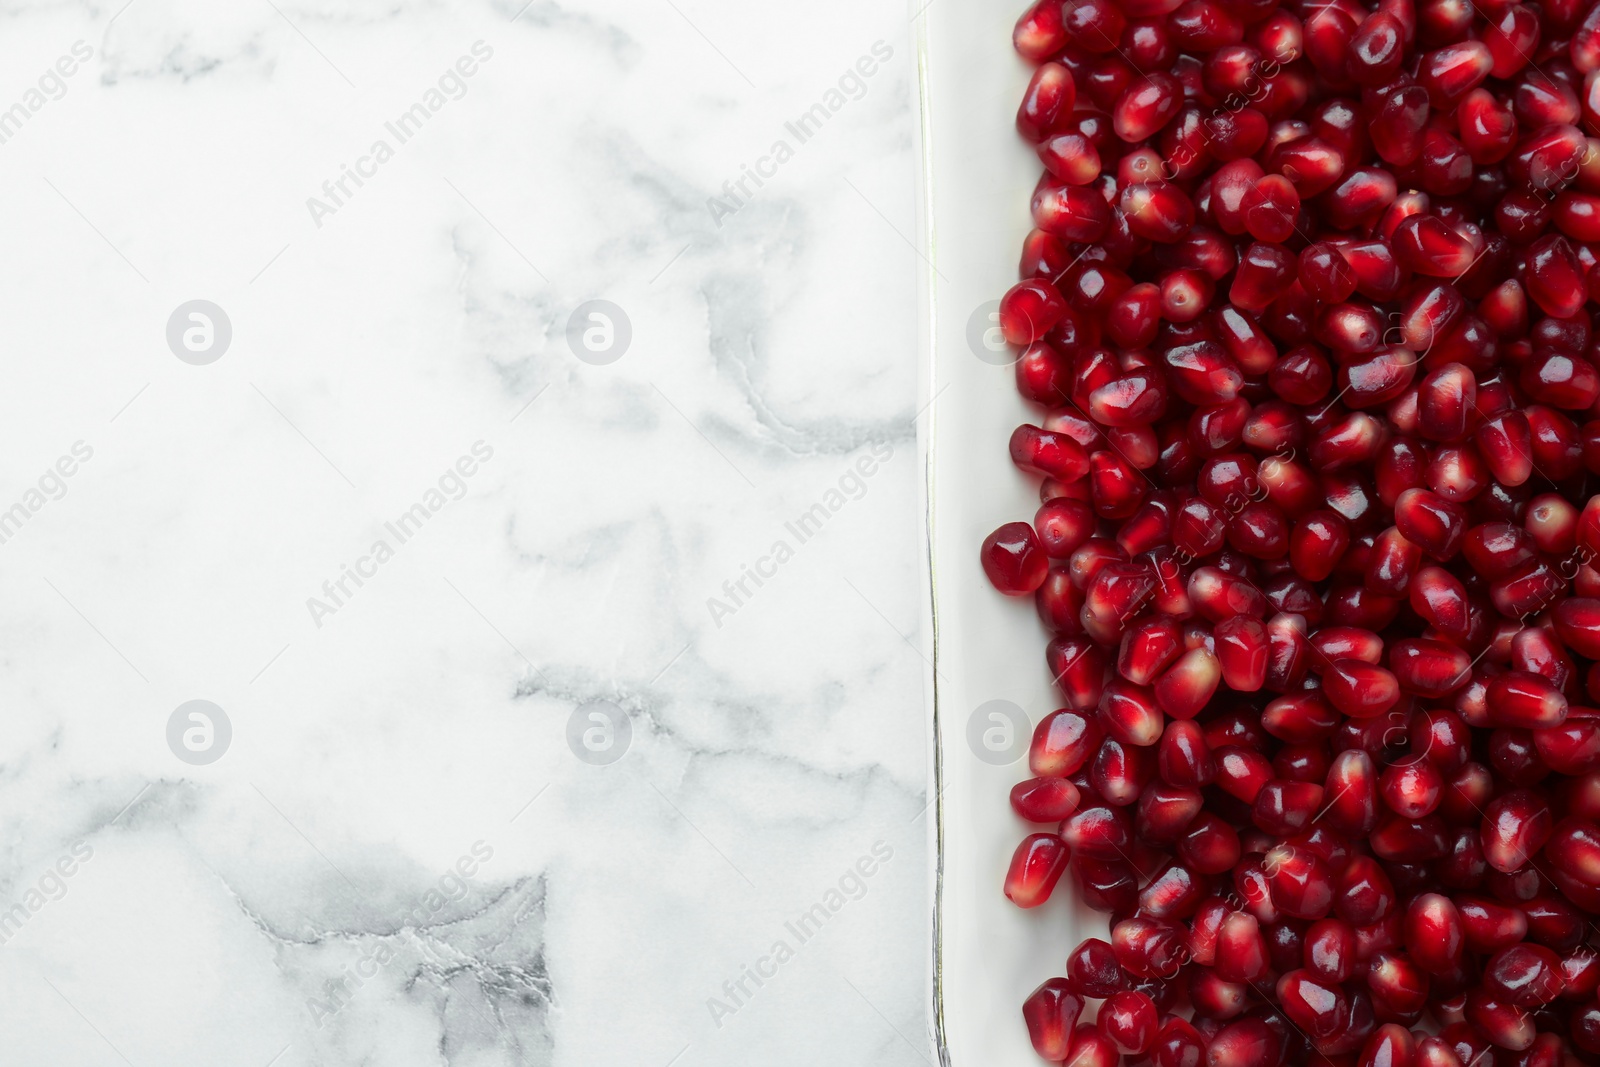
(1145,106)
(1269,208)
(1487,127)
(1051,1013)
(1093,970)
(1029,310)
(1046,107)
(1147,947)
(1301,883)
(1013,559)
(1397,981)
(1316,1006)
(1577,622)
(1039,33)
(1072,212)
(1036,866)
(1503,1023)
(1091,1048)
(1044,799)
(1430,522)
(1063,741)
(1515,826)
(1398,124)
(1517,698)
(1554,279)
(1129,1019)
(1512,38)
(1134,317)
(1055,455)
(1574,850)
(1412,789)
(1434,935)
(1358,689)
(1245,1042)
(1450,73)
(1189,683)
(1265,272)
(1525,976)
(1099,832)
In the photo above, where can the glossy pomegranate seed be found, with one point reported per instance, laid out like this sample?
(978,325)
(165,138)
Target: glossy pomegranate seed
(1269,207)
(1428,246)
(1093,971)
(1071,212)
(1145,106)
(1555,280)
(1317,1006)
(1517,698)
(1301,884)
(1029,310)
(1397,981)
(1013,559)
(1515,826)
(1046,107)
(1051,1013)
(1036,866)
(1265,272)
(1503,1023)
(1044,799)
(1449,73)
(1524,975)
(1577,621)
(1129,1019)
(1039,33)
(1245,1042)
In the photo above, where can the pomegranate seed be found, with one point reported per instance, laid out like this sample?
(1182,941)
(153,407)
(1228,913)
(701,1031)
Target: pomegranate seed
(1245,1042)
(1358,689)
(1051,1013)
(1129,1019)
(1515,826)
(1039,33)
(1517,698)
(1013,559)
(1397,981)
(1145,106)
(1450,73)
(1428,246)
(1524,975)
(1503,1023)
(1435,938)
(1091,1048)
(1046,107)
(1036,866)
(1044,799)
(1316,1006)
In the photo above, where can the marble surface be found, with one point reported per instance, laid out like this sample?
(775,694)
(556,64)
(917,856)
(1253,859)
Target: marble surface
(429,571)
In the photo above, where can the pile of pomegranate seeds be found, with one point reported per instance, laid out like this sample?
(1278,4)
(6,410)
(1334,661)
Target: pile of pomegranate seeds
(1309,312)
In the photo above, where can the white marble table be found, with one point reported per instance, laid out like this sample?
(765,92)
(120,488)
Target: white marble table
(430,570)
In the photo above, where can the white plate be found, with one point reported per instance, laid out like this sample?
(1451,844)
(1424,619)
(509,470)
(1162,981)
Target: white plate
(978,175)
